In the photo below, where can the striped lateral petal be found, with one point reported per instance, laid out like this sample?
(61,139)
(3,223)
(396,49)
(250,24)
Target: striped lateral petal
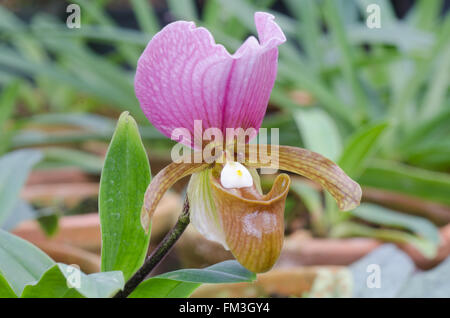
(312,165)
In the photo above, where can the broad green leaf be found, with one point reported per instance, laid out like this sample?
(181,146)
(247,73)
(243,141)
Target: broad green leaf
(14,169)
(5,289)
(21,263)
(409,180)
(359,148)
(383,216)
(65,281)
(124,180)
(319,132)
(182,283)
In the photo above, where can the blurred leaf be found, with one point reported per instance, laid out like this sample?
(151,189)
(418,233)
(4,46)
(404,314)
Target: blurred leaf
(308,28)
(145,16)
(14,169)
(405,179)
(99,89)
(57,282)
(438,88)
(337,29)
(124,180)
(21,263)
(98,33)
(313,202)
(383,216)
(49,224)
(7,102)
(425,14)
(351,229)
(183,10)
(403,36)
(427,131)
(91,122)
(359,149)
(94,10)
(182,283)
(21,212)
(9,22)
(245,11)
(330,102)
(74,158)
(319,132)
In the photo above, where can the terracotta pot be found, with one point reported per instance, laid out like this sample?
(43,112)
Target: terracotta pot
(63,253)
(63,175)
(297,282)
(300,249)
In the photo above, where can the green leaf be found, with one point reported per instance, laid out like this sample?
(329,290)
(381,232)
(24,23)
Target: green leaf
(182,283)
(7,102)
(5,289)
(64,281)
(164,288)
(409,180)
(49,223)
(383,216)
(14,169)
(359,148)
(21,263)
(124,180)
(319,132)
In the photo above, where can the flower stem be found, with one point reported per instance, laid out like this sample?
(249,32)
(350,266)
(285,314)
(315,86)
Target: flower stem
(158,253)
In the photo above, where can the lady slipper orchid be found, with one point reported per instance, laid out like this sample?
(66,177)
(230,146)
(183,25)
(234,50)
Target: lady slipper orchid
(182,77)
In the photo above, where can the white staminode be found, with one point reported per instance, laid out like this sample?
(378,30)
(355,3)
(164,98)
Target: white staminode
(235,175)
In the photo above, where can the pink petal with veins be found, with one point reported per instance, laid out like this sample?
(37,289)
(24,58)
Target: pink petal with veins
(183,75)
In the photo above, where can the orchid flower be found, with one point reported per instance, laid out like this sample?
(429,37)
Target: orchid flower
(183,76)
